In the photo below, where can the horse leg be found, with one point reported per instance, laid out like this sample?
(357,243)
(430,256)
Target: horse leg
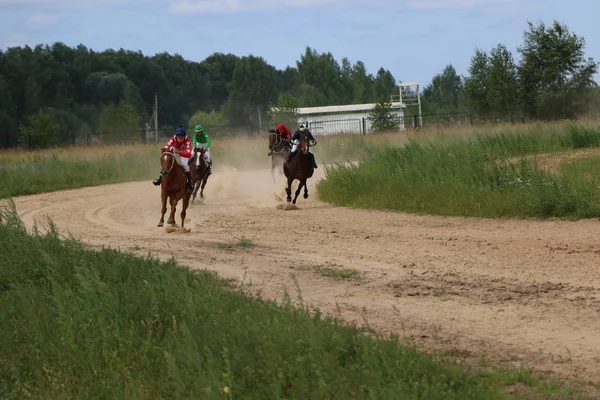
(171,220)
(300,186)
(305,190)
(196,187)
(203,186)
(184,206)
(163,208)
(288,189)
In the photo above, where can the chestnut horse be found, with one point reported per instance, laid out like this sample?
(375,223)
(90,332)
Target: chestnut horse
(279,151)
(300,168)
(199,171)
(173,186)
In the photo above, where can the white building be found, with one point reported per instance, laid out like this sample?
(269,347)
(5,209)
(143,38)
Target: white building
(351,118)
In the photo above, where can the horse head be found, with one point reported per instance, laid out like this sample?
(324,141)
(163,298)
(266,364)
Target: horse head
(199,161)
(167,161)
(304,143)
(274,139)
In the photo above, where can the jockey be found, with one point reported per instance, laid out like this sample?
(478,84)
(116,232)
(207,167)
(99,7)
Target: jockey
(202,141)
(182,149)
(296,137)
(284,132)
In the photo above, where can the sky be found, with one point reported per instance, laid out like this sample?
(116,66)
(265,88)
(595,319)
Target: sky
(414,39)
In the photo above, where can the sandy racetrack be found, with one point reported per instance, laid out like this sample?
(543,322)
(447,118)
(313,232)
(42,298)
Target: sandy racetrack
(522,292)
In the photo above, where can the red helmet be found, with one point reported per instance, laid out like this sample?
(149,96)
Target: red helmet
(281,127)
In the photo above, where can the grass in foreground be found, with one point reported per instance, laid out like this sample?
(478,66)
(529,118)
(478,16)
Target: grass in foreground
(475,177)
(82,324)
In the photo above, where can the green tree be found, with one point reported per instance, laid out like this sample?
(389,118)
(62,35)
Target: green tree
(41,131)
(285,111)
(252,90)
(503,81)
(384,84)
(444,93)
(554,73)
(79,84)
(119,123)
(381,117)
(477,84)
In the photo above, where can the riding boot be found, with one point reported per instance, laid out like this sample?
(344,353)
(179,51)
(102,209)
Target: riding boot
(190,180)
(312,156)
(289,159)
(209,171)
(156,182)
(270,152)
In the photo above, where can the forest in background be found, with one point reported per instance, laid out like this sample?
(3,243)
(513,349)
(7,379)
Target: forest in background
(51,94)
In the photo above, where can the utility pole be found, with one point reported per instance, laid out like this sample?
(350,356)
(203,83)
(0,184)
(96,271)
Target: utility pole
(156,116)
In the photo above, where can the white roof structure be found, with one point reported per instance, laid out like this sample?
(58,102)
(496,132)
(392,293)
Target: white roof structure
(345,108)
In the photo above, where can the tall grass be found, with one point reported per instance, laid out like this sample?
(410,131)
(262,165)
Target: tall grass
(23,172)
(83,324)
(485,176)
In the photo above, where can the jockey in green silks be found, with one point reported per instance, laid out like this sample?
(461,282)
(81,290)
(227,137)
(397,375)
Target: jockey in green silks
(201,140)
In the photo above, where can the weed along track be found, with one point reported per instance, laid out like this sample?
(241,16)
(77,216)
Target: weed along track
(522,292)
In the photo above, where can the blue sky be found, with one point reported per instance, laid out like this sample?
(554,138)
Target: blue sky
(414,39)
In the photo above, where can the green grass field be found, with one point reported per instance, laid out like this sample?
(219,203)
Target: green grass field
(77,323)
(82,324)
(485,175)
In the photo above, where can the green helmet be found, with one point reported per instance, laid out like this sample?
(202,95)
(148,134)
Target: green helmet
(198,128)
(304,127)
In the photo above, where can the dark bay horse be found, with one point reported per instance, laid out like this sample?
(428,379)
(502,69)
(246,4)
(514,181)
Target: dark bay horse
(300,168)
(173,186)
(199,171)
(280,150)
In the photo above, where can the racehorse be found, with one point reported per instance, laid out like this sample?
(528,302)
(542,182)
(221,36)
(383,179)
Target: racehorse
(173,186)
(279,151)
(199,171)
(300,168)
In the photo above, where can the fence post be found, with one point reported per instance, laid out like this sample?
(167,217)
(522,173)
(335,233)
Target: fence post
(364,126)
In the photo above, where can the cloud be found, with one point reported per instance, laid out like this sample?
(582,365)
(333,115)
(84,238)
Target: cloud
(233,6)
(452,4)
(40,19)
(62,3)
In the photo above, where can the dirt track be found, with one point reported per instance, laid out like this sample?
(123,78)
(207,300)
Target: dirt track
(522,292)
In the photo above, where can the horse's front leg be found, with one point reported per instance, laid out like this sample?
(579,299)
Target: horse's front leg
(171,220)
(300,186)
(196,187)
(305,190)
(184,206)
(163,208)
(288,189)
(203,186)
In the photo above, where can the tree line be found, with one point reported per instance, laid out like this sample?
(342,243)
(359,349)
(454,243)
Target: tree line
(50,94)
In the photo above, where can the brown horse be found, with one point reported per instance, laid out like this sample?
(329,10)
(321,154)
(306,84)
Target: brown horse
(199,171)
(300,168)
(280,149)
(173,186)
